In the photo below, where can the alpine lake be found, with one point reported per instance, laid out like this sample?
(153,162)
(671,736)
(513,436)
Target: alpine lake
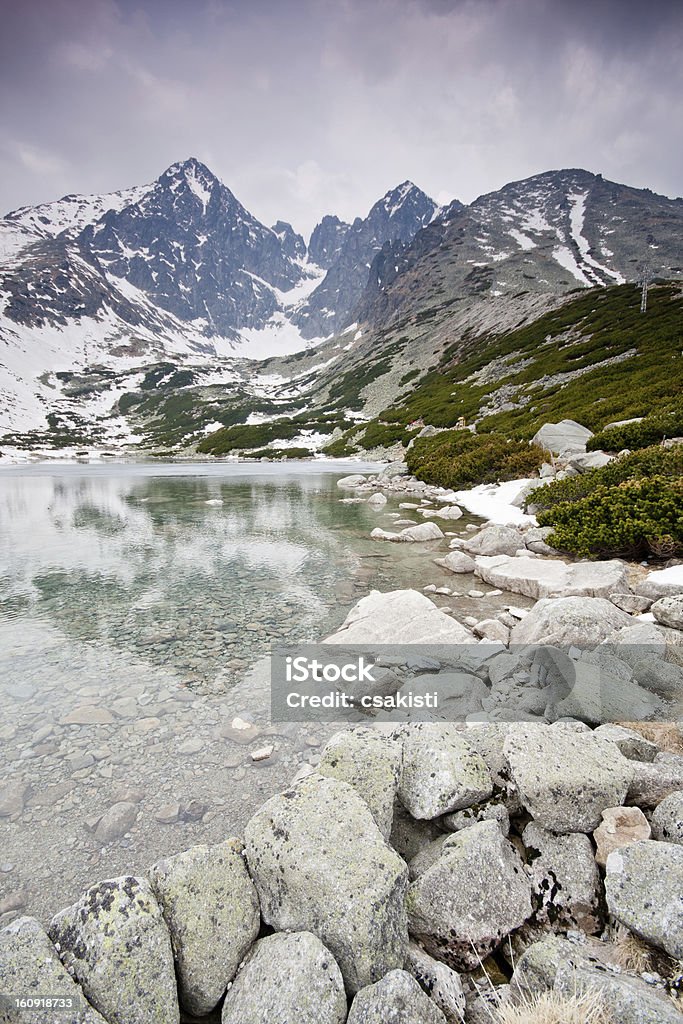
(138,604)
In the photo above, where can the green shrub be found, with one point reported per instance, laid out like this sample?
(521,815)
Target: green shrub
(655,461)
(282,453)
(458,458)
(648,431)
(340,449)
(243,436)
(632,519)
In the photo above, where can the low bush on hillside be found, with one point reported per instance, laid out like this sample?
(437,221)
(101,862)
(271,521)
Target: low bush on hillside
(648,431)
(633,519)
(654,461)
(630,508)
(458,458)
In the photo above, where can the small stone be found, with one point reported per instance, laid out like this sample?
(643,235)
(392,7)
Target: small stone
(13,796)
(191,746)
(620,827)
(168,813)
(669,611)
(634,604)
(115,822)
(263,753)
(88,714)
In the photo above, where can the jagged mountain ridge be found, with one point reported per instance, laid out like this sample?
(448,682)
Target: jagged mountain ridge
(552,232)
(396,217)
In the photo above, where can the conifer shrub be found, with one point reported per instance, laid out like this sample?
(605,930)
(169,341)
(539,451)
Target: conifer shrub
(646,432)
(632,519)
(459,458)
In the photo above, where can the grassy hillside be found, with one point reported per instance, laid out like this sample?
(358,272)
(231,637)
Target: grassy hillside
(595,359)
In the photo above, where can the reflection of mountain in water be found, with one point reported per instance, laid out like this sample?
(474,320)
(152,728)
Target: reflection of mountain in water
(156,566)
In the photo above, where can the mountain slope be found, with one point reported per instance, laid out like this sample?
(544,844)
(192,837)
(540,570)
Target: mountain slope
(349,253)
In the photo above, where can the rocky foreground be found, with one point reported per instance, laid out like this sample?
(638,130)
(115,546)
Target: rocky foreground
(433,871)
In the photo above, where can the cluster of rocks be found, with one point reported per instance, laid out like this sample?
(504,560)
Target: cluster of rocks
(381,882)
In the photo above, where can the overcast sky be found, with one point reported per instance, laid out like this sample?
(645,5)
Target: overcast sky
(306,107)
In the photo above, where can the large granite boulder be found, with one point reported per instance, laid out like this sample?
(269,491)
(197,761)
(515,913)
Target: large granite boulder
(320,864)
(579,621)
(627,998)
(441,771)
(410,535)
(397,997)
(288,978)
(644,889)
(211,908)
(116,944)
(566,778)
(565,879)
(566,438)
(30,967)
(495,540)
(470,898)
(399,616)
(369,761)
(668,611)
(540,578)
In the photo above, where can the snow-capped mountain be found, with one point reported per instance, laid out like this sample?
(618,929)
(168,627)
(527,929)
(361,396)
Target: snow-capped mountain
(177,268)
(549,233)
(348,252)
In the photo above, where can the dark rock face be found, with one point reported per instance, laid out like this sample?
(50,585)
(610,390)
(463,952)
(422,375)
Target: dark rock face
(327,240)
(195,251)
(397,217)
(293,244)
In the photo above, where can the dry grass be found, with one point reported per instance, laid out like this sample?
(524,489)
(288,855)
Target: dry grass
(666,735)
(551,1008)
(630,952)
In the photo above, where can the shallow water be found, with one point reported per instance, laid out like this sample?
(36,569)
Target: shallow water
(133,601)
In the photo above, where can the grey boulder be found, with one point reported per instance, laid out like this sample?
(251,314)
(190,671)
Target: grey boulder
(644,889)
(566,778)
(565,879)
(320,864)
(580,621)
(441,771)
(667,819)
(495,540)
(441,983)
(212,911)
(397,998)
(115,942)
(474,895)
(669,611)
(627,998)
(457,562)
(566,438)
(288,979)
(370,762)
(30,966)
(551,577)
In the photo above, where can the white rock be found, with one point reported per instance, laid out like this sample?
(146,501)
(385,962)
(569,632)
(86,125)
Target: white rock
(539,578)
(564,438)
(399,616)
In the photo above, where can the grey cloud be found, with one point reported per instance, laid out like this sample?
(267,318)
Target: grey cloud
(312,106)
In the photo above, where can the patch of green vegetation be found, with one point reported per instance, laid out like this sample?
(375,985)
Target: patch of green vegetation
(459,458)
(648,431)
(384,435)
(282,453)
(341,448)
(655,461)
(629,508)
(597,324)
(346,392)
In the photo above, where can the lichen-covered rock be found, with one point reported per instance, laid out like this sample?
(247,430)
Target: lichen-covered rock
(369,761)
(603,690)
(644,888)
(211,908)
(397,997)
(320,864)
(620,826)
(651,783)
(30,966)
(662,677)
(535,970)
(565,879)
(631,744)
(116,943)
(669,611)
(288,979)
(472,896)
(441,771)
(627,998)
(441,983)
(490,810)
(667,819)
(566,778)
(567,621)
